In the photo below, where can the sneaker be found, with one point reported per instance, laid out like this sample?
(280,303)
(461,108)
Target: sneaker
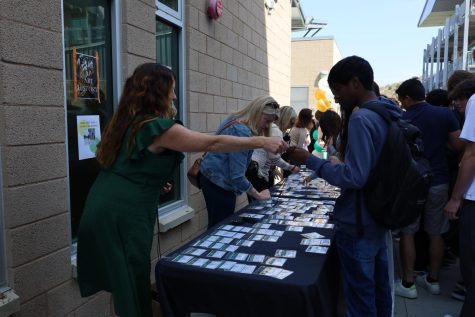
(407,292)
(433,288)
(459,294)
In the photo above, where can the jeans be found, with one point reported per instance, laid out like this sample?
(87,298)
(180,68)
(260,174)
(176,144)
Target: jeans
(364,265)
(219,202)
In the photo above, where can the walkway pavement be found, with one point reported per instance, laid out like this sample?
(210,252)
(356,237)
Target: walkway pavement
(427,304)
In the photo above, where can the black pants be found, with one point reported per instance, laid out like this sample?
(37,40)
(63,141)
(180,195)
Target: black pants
(219,202)
(467,255)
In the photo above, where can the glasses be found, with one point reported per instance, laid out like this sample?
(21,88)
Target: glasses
(273,104)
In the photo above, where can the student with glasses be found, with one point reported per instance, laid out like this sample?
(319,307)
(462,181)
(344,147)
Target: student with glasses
(262,161)
(223,175)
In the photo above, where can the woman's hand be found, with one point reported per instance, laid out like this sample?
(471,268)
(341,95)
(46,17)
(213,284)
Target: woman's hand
(294,169)
(275,145)
(167,188)
(307,180)
(263,195)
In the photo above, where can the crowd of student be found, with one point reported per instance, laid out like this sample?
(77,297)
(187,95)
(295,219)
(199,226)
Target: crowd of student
(139,152)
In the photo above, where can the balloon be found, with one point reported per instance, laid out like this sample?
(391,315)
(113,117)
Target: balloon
(323,104)
(320,94)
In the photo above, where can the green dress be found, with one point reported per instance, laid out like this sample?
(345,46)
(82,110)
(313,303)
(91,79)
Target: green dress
(116,230)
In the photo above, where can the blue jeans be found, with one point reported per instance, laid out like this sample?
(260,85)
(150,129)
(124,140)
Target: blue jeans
(220,203)
(364,264)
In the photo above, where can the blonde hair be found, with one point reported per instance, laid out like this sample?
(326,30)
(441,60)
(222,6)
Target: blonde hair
(251,115)
(287,113)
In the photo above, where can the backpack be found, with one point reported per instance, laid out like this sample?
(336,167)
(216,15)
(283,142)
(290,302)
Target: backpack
(397,188)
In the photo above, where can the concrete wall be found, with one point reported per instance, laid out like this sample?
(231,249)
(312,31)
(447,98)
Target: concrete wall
(310,56)
(244,54)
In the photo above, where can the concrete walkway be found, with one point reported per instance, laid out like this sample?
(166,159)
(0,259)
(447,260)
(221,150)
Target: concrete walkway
(427,304)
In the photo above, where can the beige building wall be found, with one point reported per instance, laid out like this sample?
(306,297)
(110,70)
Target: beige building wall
(311,56)
(230,61)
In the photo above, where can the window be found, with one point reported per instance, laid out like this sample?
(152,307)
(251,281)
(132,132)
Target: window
(87,33)
(167,54)
(299,98)
(169,44)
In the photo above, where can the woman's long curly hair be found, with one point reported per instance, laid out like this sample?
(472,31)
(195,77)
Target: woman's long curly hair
(145,97)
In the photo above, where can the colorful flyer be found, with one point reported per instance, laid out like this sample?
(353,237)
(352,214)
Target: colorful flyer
(89,135)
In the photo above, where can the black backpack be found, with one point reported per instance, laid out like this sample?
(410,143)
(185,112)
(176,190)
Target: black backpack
(397,188)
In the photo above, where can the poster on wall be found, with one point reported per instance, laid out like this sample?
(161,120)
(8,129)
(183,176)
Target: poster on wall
(85,76)
(89,135)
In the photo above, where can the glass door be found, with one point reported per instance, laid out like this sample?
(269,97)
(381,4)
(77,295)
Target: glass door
(88,67)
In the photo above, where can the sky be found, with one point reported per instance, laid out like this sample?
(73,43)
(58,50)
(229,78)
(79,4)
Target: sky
(384,32)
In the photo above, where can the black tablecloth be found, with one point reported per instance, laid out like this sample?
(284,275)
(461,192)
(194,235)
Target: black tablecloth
(312,290)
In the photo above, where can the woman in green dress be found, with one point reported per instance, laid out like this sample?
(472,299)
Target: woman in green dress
(140,148)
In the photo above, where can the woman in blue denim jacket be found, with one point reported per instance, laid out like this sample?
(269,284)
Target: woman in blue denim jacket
(223,174)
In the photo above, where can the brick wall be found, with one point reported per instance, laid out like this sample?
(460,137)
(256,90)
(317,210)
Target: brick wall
(231,61)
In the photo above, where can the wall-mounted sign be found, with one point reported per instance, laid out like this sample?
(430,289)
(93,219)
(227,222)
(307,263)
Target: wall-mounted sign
(215,9)
(85,76)
(89,135)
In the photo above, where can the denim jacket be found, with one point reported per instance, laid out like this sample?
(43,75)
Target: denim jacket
(227,170)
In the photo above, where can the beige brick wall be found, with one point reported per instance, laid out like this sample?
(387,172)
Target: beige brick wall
(310,56)
(231,61)
(244,54)
(33,151)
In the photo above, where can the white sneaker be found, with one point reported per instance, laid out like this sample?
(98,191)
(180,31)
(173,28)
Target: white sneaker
(407,292)
(433,288)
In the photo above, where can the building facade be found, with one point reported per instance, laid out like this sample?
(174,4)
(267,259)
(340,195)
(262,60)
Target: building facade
(453,47)
(220,65)
(312,59)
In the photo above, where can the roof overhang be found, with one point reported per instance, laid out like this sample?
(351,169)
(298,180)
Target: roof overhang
(437,11)
(298,19)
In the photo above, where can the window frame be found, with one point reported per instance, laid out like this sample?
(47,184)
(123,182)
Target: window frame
(175,18)
(170,15)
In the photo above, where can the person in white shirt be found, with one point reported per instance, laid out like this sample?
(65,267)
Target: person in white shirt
(463,194)
(299,135)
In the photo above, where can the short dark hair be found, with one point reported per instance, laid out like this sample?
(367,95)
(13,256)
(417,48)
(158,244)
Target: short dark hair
(349,67)
(412,88)
(464,89)
(438,97)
